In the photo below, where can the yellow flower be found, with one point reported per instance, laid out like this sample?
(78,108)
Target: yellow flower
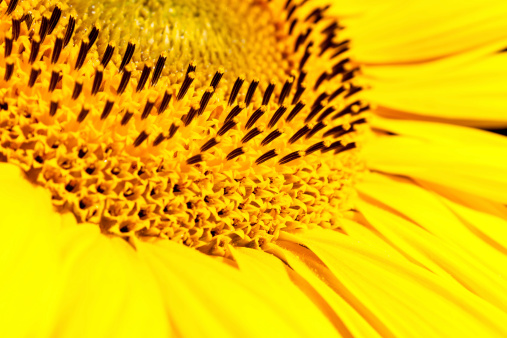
(260,168)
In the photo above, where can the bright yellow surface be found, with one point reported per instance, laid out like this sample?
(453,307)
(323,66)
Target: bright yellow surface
(404,235)
(147,169)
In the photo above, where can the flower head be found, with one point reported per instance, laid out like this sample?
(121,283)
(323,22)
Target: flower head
(255,136)
(156,131)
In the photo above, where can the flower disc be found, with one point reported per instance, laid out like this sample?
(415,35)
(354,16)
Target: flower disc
(206,123)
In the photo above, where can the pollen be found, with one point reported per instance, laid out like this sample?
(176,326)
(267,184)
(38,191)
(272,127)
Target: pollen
(208,123)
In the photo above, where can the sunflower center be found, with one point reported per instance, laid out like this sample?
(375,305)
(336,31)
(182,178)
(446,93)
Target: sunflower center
(240,36)
(101,105)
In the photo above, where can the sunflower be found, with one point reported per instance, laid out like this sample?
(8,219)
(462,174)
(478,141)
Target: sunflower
(253,168)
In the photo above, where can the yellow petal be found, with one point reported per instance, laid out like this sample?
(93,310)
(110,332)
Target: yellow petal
(485,219)
(489,228)
(477,264)
(407,299)
(109,291)
(358,8)
(319,283)
(467,87)
(474,167)
(406,245)
(204,297)
(367,236)
(443,134)
(415,31)
(268,271)
(436,253)
(28,257)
